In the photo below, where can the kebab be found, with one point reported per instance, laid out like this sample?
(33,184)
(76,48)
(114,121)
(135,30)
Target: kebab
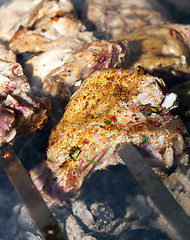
(45,33)
(112,106)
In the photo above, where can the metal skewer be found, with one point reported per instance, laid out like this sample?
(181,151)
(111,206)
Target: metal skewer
(30,196)
(155,189)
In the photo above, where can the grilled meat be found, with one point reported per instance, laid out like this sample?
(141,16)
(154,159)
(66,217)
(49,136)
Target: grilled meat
(39,64)
(160,51)
(47,10)
(111,107)
(13,16)
(114,19)
(94,56)
(49,39)
(155,43)
(20,111)
(56,50)
(157,47)
(31,14)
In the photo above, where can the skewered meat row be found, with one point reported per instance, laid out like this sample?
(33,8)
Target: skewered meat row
(55,35)
(20,111)
(52,35)
(112,106)
(57,51)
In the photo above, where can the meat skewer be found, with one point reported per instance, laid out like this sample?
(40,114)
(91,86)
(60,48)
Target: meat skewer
(112,106)
(155,189)
(30,196)
(47,31)
(59,80)
(22,113)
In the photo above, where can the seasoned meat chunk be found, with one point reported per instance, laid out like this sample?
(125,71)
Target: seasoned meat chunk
(161,51)
(94,56)
(13,16)
(112,106)
(114,19)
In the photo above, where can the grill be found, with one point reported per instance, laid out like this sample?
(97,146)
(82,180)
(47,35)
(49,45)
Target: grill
(111,204)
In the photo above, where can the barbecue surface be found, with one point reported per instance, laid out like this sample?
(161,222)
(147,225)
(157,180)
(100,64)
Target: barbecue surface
(111,204)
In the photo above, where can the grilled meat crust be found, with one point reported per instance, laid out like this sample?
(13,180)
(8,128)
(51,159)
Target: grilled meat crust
(112,106)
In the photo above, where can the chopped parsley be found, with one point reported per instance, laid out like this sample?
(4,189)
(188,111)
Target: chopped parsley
(145,140)
(154,110)
(107,122)
(90,161)
(75,151)
(147,110)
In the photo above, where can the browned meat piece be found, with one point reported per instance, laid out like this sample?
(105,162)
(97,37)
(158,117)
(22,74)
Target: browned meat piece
(58,51)
(38,60)
(117,18)
(31,14)
(155,47)
(159,50)
(94,56)
(49,40)
(20,111)
(47,10)
(111,107)
(13,14)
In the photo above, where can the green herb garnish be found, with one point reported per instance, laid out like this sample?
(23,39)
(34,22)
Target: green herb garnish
(74,153)
(107,122)
(145,140)
(146,110)
(154,110)
(90,161)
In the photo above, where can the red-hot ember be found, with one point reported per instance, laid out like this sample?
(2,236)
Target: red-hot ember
(7,154)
